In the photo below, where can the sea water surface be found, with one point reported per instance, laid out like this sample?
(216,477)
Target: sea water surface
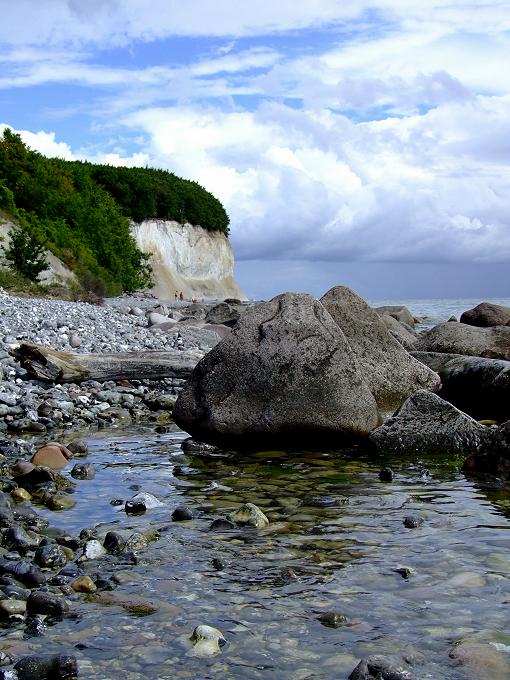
(336,542)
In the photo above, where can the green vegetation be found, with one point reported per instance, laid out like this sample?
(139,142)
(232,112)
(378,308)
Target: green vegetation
(80,211)
(25,253)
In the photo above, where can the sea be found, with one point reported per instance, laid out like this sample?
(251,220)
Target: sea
(432,311)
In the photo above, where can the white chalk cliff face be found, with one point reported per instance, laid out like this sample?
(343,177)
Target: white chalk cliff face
(190,259)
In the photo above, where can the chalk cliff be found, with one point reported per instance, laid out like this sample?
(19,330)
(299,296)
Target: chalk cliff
(186,258)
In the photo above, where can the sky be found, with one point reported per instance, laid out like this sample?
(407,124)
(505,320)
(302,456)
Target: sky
(353,142)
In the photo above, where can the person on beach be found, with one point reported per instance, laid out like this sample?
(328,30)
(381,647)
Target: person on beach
(181,296)
(176,296)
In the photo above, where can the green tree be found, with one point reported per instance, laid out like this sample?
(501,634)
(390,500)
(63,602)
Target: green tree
(25,253)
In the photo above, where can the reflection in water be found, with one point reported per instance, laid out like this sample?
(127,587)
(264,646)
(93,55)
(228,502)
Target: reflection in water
(336,542)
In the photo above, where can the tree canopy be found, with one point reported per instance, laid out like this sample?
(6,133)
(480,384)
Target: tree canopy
(80,211)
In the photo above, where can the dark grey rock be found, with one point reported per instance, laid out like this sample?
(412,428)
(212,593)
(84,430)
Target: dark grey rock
(114,542)
(332,619)
(47,668)
(386,474)
(41,602)
(486,314)
(412,522)
(83,471)
(379,667)
(50,557)
(428,424)
(221,525)
(181,514)
(135,507)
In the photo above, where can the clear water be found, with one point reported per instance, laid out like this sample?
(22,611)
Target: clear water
(332,522)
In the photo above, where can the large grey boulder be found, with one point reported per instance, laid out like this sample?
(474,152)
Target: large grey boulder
(403,334)
(486,314)
(477,386)
(286,372)
(398,312)
(390,371)
(428,424)
(459,338)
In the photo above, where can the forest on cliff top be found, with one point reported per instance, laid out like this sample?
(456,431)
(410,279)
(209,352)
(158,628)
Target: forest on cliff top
(81,211)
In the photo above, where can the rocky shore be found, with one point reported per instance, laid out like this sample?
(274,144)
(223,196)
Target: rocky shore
(295,368)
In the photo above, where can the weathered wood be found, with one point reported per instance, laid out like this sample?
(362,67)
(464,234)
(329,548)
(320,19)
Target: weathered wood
(52,366)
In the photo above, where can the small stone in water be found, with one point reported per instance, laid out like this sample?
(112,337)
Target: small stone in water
(218,564)
(181,514)
(83,471)
(41,602)
(114,542)
(332,619)
(207,641)
(116,501)
(84,584)
(249,514)
(386,474)
(405,572)
(412,522)
(134,507)
(221,525)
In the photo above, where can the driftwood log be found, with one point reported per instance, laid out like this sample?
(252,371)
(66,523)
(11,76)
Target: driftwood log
(49,365)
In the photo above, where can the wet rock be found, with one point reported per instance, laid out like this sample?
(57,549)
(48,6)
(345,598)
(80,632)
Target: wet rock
(480,660)
(93,550)
(495,455)
(386,474)
(390,372)
(134,508)
(84,584)
(114,542)
(20,495)
(27,573)
(47,668)
(34,626)
(191,445)
(412,522)
(207,641)
(249,514)
(34,477)
(332,619)
(16,538)
(486,314)
(60,501)
(405,572)
(251,387)
(51,456)
(459,338)
(221,525)
(428,424)
(218,564)
(181,514)
(382,668)
(147,499)
(10,606)
(83,471)
(41,602)
(131,603)
(50,557)
(78,447)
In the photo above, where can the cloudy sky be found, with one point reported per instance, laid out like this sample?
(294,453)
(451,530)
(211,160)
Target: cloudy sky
(351,141)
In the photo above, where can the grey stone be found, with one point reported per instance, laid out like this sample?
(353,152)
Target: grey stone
(223,314)
(402,333)
(459,338)
(486,314)
(286,371)
(398,312)
(390,372)
(380,667)
(428,424)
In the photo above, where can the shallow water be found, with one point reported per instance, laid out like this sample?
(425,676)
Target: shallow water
(335,539)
